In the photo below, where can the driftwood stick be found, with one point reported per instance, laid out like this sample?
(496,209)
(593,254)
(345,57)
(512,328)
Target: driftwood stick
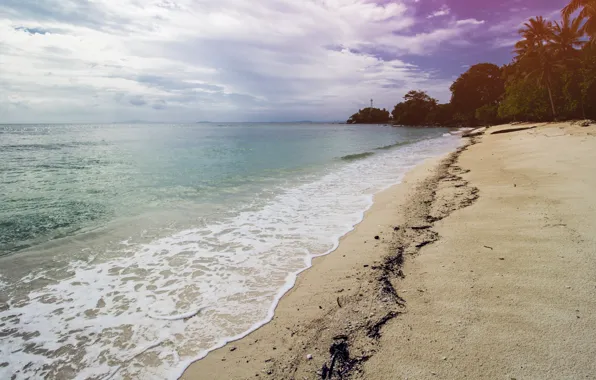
(511,130)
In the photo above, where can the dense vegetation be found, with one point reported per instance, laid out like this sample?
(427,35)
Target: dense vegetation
(552,77)
(370,115)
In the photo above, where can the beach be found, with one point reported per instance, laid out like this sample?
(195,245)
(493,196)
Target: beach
(354,189)
(480,264)
(145,251)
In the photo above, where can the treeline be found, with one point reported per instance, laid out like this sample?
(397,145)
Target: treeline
(552,77)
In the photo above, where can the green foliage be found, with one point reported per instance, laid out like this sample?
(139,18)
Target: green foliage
(441,115)
(552,55)
(370,116)
(588,80)
(524,100)
(540,60)
(552,76)
(566,39)
(487,114)
(570,97)
(415,110)
(481,85)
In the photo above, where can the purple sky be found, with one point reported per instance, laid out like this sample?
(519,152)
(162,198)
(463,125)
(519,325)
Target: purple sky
(238,60)
(490,43)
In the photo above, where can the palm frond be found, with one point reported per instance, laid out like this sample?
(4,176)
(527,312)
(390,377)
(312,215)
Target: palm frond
(573,6)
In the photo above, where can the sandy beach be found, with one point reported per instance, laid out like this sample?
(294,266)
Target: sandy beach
(479,265)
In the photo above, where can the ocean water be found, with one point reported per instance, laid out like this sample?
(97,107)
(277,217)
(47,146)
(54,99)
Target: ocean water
(128,251)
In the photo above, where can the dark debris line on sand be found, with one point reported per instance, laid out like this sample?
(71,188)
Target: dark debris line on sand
(341,364)
(348,333)
(408,239)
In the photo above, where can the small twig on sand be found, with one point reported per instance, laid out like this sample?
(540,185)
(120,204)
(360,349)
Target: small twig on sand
(486,246)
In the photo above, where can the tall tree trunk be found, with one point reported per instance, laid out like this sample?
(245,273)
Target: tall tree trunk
(552,103)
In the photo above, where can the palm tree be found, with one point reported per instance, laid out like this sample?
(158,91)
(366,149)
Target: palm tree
(542,66)
(567,37)
(587,14)
(537,32)
(522,48)
(536,55)
(566,45)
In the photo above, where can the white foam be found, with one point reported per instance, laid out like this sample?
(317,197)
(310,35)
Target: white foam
(188,314)
(163,305)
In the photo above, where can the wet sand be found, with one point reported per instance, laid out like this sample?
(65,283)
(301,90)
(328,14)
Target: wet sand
(484,268)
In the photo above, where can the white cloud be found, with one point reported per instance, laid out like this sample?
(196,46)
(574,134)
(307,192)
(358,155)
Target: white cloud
(197,59)
(469,21)
(443,11)
(502,42)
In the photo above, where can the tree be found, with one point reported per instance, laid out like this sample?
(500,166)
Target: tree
(569,94)
(415,110)
(370,116)
(442,115)
(522,47)
(538,58)
(487,114)
(567,38)
(552,75)
(587,15)
(566,47)
(555,57)
(537,31)
(418,96)
(588,80)
(481,85)
(524,100)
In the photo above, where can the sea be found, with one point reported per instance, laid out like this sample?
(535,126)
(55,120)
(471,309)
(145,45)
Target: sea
(128,251)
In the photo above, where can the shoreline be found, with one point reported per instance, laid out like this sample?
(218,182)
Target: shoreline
(349,312)
(173,331)
(425,175)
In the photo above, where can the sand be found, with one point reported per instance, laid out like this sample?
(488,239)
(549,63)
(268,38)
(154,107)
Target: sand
(485,268)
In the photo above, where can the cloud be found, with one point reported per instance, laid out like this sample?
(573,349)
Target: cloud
(31,30)
(137,101)
(503,33)
(443,11)
(187,60)
(159,105)
(469,21)
(503,42)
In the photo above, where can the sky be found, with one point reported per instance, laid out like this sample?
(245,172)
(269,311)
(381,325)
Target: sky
(98,61)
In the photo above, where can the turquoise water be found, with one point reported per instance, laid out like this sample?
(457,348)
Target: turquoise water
(176,237)
(60,180)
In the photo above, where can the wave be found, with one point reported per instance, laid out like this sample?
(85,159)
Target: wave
(51,146)
(177,298)
(391,146)
(357,156)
